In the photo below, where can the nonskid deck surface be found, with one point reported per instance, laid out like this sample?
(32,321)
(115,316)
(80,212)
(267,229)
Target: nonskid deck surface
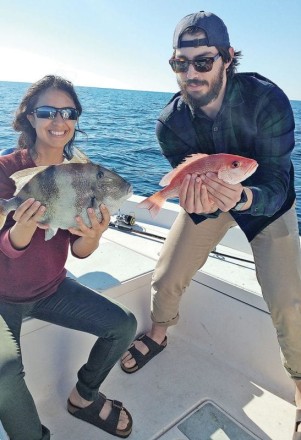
(159,396)
(223,352)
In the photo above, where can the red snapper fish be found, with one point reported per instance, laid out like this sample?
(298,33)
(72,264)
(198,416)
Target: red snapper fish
(229,167)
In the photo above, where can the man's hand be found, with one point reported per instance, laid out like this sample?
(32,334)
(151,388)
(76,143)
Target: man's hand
(225,195)
(194,196)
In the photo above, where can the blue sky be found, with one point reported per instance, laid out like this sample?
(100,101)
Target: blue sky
(127,43)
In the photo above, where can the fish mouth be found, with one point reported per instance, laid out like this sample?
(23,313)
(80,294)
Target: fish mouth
(251,169)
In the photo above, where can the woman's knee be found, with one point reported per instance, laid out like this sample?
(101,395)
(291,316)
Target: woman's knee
(10,359)
(11,375)
(10,369)
(126,325)
(130,324)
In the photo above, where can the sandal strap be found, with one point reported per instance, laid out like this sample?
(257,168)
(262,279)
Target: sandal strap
(98,404)
(154,349)
(150,343)
(113,418)
(140,358)
(91,413)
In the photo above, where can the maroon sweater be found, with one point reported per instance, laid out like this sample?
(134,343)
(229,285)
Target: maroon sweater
(36,271)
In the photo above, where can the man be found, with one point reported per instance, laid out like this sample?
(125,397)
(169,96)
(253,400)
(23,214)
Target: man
(218,110)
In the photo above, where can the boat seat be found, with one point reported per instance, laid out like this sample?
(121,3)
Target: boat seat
(109,266)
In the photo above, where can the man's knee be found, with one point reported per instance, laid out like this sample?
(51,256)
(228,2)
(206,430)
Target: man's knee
(287,316)
(170,280)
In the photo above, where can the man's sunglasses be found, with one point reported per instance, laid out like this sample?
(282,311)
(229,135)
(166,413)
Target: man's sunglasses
(205,64)
(48,112)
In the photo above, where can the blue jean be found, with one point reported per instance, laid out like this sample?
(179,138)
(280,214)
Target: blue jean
(73,306)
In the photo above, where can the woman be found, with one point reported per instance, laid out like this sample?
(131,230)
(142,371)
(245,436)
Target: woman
(46,120)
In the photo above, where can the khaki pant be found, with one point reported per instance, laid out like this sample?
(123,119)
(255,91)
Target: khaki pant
(278,268)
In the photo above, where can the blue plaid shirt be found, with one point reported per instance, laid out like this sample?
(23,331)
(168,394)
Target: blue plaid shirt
(255,121)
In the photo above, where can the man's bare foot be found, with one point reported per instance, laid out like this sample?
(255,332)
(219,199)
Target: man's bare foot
(157,334)
(78,401)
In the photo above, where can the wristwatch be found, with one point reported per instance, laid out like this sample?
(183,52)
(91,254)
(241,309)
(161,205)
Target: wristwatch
(241,203)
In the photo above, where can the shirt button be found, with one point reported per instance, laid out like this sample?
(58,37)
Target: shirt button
(215,128)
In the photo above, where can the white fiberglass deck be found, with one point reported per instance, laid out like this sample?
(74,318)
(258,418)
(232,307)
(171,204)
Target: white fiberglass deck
(223,351)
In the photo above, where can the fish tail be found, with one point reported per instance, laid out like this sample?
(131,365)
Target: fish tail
(153,203)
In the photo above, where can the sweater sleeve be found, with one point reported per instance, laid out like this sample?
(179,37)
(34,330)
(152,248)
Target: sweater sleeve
(7,248)
(7,189)
(273,147)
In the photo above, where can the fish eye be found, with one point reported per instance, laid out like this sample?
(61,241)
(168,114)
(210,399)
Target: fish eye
(100,174)
(236,164)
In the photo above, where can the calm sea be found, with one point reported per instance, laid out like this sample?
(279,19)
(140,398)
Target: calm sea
(120,128)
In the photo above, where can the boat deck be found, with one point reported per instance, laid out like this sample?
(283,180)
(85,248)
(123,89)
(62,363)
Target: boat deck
(220,376)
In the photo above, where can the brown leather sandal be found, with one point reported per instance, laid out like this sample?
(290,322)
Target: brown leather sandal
(140,358)
(90,414)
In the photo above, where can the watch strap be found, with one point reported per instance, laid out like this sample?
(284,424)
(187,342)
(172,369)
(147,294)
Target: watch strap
(241,203)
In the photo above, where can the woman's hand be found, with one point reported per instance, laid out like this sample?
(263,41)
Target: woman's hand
(29,213)
(27,217)
(90,235)
(97,228)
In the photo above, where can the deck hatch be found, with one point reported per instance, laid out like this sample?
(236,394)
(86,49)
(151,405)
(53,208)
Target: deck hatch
(210,422)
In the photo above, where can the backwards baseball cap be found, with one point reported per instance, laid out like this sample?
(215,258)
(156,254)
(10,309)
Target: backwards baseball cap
(214,28)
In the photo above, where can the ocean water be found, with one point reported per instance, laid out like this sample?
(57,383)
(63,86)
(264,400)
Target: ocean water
(120,132)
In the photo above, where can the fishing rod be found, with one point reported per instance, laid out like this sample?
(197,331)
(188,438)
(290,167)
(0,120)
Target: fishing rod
(126,223)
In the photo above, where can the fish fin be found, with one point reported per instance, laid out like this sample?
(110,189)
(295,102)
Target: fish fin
(78,157)
(6,206)
(24,176)
(49,233)
(153,203)
(2,217)
(187,161)
(167,178)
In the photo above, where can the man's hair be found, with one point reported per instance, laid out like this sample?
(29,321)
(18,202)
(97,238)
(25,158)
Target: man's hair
(223,51)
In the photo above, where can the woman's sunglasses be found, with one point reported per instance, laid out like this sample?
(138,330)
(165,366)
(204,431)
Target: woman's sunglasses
(205,64)
(48,112)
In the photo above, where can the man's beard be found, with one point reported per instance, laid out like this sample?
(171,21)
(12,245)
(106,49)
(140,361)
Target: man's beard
(213,92)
